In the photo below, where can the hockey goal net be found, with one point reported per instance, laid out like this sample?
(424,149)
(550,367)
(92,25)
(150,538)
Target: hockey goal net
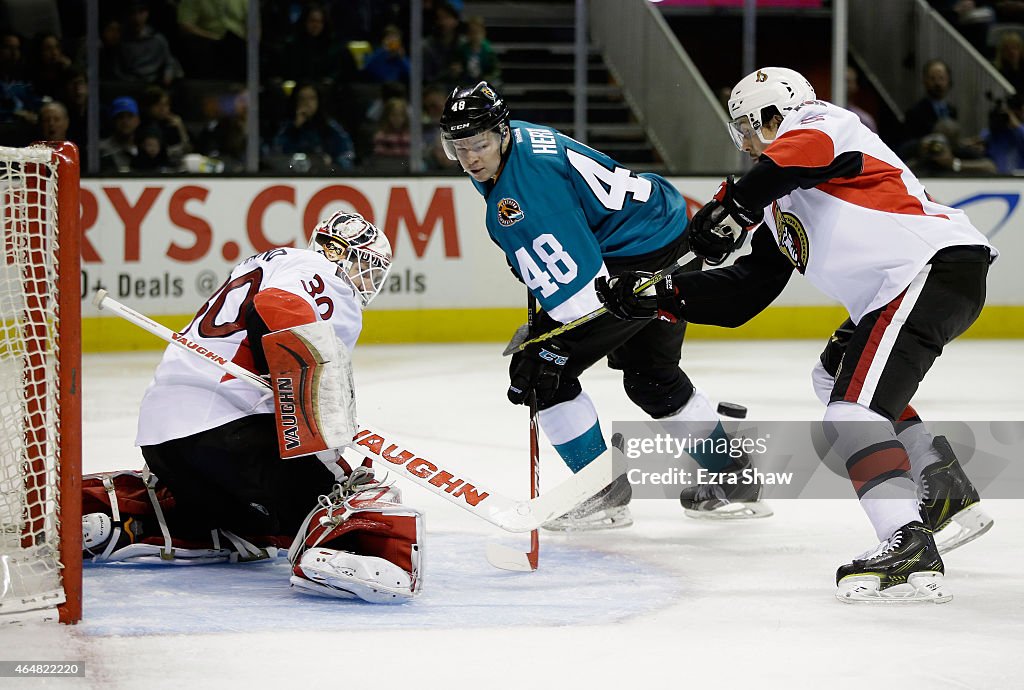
(40,385)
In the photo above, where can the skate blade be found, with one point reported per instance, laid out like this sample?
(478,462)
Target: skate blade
(506,558)
(732,511)
(615,518)
(963,528)
(920,588)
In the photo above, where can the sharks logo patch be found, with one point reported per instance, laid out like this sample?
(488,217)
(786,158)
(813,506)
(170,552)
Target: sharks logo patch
(509,211)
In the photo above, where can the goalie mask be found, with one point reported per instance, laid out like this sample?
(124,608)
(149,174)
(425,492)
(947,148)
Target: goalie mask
(759,96)
(474,117)
(356,245)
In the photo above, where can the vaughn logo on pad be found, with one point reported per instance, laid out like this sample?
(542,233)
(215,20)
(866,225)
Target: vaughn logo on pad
(311,376)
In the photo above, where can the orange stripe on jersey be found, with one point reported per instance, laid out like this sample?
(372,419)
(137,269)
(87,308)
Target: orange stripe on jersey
(802,148)
(879,186)
(867,355)
(878,464)
(281,309)
(243,358)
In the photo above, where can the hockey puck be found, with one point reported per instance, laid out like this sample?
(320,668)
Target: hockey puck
(728,409)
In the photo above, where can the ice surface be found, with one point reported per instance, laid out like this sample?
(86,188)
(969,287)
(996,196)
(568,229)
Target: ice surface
(669,602)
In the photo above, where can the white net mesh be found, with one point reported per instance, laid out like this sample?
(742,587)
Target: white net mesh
(29,390)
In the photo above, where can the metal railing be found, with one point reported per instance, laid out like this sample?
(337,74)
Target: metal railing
(682,117)
(895,38)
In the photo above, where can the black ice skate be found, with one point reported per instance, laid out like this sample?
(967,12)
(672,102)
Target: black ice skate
(722,500)
(949,503)
(904,568)
(607,509)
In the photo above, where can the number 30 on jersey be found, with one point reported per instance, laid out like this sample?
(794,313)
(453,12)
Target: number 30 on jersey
(556,260)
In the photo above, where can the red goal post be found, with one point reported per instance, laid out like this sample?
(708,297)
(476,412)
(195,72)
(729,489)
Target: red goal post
(40,385)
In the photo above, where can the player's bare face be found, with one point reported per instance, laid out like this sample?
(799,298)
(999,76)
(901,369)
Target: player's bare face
(480,155)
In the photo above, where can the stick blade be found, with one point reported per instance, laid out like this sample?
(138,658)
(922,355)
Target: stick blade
(521,335)
(505,558)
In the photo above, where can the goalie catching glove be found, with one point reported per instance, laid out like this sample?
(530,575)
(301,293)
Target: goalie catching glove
(718,228)
(659,301)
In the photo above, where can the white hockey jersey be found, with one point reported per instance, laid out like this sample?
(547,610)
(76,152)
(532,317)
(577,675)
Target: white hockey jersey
(860,239)
(291,287)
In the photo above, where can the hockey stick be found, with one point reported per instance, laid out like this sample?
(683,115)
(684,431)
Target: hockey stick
(505,557)
(440,479)
(656,277)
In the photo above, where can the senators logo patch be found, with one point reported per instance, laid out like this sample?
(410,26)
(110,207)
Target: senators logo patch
(792,238)
(761,77)
(509,211)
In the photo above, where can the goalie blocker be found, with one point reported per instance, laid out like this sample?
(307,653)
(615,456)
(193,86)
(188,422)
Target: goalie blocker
(311,374)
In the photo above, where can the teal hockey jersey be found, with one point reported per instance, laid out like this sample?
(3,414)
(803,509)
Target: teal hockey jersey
(560,207)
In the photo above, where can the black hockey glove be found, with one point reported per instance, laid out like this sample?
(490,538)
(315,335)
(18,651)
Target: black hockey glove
(718,228)
(537,368)
(660,301)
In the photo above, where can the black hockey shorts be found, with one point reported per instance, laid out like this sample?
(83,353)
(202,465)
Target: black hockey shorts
(233,477)
(880,362)
(646,352)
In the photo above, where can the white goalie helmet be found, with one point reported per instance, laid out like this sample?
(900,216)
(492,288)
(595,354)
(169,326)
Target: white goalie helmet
(778,87)
(356,245)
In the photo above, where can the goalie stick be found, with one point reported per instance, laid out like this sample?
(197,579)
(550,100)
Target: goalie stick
(440,479)
(656,277)
(501,556)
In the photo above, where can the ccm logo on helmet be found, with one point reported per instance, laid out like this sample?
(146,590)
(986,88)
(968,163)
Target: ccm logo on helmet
(462,126)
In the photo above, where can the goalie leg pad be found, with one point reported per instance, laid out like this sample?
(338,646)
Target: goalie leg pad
(311,372)
(123,519)
(360,545)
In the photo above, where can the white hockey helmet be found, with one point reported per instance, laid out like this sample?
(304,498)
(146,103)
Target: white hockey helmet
(761,95)
(356,245)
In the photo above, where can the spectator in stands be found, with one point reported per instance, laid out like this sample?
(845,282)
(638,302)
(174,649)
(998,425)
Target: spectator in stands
(943,153)
(156,112)
(311,53)
(1004,137)
(118,150)
(1010,58)
(18,101)
(53,122)
(478,59)
(144,54)
(391,140)
(151,156)
(110,50)
(225,136)
(213,34)
(389,61)
(442,58)
(76,99)
(434,157)
(50,66)
(921,117)
(311,131)
(852,87)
